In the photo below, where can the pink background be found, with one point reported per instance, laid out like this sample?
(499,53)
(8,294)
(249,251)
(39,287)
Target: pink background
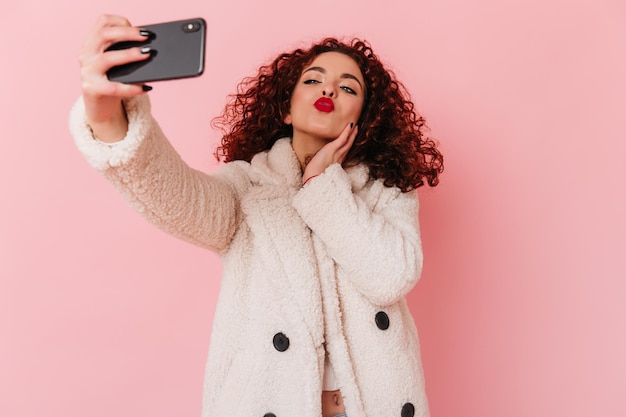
(521,305)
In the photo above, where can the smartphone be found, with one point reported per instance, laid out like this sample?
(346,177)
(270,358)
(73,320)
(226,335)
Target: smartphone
(178,49)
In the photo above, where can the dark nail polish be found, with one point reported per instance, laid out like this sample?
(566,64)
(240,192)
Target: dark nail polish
(146,87)
(146,33)
(146,50)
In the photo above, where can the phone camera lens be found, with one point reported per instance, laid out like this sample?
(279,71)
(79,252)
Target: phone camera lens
(189,27)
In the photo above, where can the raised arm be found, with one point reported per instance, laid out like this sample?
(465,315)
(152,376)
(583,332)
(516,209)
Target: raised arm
(371,231)
(372,234)
(113,128)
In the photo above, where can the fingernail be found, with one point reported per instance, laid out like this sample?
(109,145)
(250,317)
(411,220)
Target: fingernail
(146,87)
(146,50)
(145,33)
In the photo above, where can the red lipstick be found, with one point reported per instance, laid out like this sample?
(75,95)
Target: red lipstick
(324,104)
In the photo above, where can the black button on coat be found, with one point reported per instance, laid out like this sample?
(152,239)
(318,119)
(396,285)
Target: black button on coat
(281,342)
(408,410)
(382,320)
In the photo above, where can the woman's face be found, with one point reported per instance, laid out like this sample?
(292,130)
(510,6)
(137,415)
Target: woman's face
(328,96)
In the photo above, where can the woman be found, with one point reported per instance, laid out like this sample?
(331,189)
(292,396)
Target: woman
(314,216)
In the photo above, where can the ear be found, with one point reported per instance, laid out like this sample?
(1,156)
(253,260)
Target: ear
(287,119)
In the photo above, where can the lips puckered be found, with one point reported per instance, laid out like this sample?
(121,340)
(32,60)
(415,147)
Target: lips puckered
(324,104)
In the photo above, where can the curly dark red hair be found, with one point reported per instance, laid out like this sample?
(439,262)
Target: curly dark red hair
(390,141)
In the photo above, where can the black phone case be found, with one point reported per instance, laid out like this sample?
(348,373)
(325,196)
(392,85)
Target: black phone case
(177,52)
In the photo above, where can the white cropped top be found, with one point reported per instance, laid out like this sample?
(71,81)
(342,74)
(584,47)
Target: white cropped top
(330,381)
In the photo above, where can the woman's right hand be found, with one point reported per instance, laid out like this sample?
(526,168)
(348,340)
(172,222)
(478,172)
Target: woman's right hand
(103,99)
(333,152)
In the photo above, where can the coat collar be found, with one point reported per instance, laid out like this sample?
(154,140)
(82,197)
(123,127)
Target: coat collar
(280,166)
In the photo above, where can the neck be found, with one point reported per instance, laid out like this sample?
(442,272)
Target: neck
(306,146)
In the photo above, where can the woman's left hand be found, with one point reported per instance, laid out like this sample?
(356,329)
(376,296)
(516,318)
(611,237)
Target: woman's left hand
(333,152)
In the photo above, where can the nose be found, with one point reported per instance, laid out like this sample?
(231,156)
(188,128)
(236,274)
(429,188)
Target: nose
(328,91)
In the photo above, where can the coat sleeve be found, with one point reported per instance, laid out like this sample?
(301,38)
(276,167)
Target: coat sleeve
(199,208)
(373,235)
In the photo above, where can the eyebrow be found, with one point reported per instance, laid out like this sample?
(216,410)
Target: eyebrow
(345,75)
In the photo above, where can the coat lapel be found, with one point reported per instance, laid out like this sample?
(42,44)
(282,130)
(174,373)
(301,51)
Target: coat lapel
(280,237)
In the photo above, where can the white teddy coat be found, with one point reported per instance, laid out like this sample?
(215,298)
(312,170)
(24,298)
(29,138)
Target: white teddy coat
(305,269)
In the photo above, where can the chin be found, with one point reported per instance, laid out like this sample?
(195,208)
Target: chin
(321,131)
(326,134)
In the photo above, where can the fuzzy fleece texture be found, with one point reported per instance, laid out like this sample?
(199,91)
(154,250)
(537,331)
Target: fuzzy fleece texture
(315,264)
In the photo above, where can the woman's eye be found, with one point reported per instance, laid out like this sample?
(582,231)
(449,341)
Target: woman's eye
(311,81)
(348,90)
